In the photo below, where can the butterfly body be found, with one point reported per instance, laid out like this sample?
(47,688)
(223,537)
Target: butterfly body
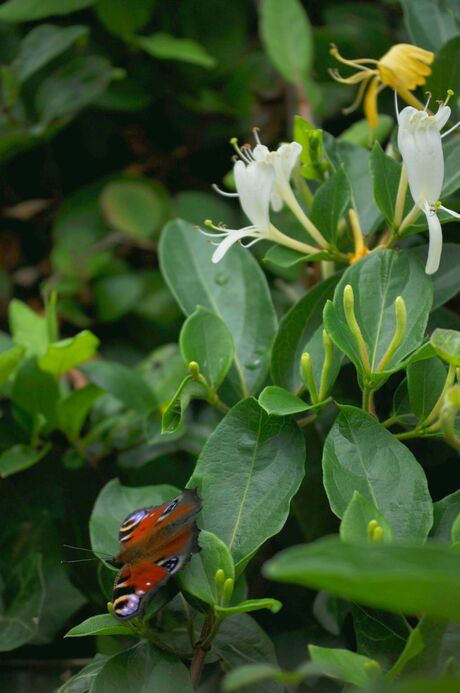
(155,543)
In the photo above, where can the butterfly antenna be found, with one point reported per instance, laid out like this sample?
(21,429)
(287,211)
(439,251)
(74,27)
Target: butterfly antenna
(81,548)
(81,560)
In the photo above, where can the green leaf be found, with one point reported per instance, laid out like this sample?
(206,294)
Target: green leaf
(35,396)
(30,10)
(117,295)
(355,160)
(455,533)
(249,605)
(42,44)
(114,503)
(74,408)
(197,578)
(143,668)
(206,339)
(246,491)
(414,646)
(61,356)
(379,634)
(134,207)
(276,400)
(9,359)
(446,344)
(312,156)
(411,579)
(361,455)
(28,329)
(301,330)
(121,18)
(349,666)
(73,86)
(451,169)
(19,621)
(240,639)
(167,47)
(173,414)
(280,256)
(124,383)
(431,23)
(329,204)
(81,682)
(250,674)
(445,280)
(386,173)
(235,289)
(361,132)
(103,624)
(355,522)
(444,73)
(445,513)
(425,382)
(288,38)
(377,280)
(20,457)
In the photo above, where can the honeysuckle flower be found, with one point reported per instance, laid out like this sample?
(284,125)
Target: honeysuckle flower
(254,182)
(282,162)
(403,68)
(419,141)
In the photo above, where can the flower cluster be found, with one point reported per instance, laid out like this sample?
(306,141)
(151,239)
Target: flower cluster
(262,179)
(403,68)
(420,145)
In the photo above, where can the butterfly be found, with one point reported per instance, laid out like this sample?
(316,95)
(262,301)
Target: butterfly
(155,543)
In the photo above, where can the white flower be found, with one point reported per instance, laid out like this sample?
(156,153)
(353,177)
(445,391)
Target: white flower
(419,141)
(260,176)
(282,161)
(254,185)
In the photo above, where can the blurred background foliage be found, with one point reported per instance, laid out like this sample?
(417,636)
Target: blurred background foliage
(115,117)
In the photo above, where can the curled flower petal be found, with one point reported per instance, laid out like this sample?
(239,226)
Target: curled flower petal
(435,245)
(233,236)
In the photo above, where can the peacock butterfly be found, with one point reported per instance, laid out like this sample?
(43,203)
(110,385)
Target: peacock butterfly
(155,543)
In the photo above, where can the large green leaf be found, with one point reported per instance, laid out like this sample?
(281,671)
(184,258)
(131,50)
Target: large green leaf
(28,329)
(143,669)
(103,624)
(9,359)
(288,38)
(360,454)
(206,339)
(355,160)
(445,74)
(197,578)
(276,400)
(19,620)
(81,682)
(247,473)
(386,173)
(235,289)
(30,10)
(377,280)
(445,513)
(167,47)
(134,206)
(124,18)
(73,86)
(42,44)
(122,382)
(349,666)
(329,204)
(19,457)
(114,503)
(66,354)
(35,396)
(425,382)
(411,579)
(431,23)
(301,330)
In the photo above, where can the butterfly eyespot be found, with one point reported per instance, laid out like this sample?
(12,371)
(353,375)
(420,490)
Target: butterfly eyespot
(169,508)
(170,564)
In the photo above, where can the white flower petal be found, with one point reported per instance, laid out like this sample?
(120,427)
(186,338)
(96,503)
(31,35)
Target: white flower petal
(435,245)
(233,237)
(254,184)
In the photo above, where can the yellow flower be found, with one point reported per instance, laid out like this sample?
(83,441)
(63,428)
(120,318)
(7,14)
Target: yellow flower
(403,68)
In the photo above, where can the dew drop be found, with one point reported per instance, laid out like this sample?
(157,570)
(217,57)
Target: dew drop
(222,278)
(252,365)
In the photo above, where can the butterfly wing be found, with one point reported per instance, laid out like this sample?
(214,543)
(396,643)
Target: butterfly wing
(155,543)
(141,579)
(141,523)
